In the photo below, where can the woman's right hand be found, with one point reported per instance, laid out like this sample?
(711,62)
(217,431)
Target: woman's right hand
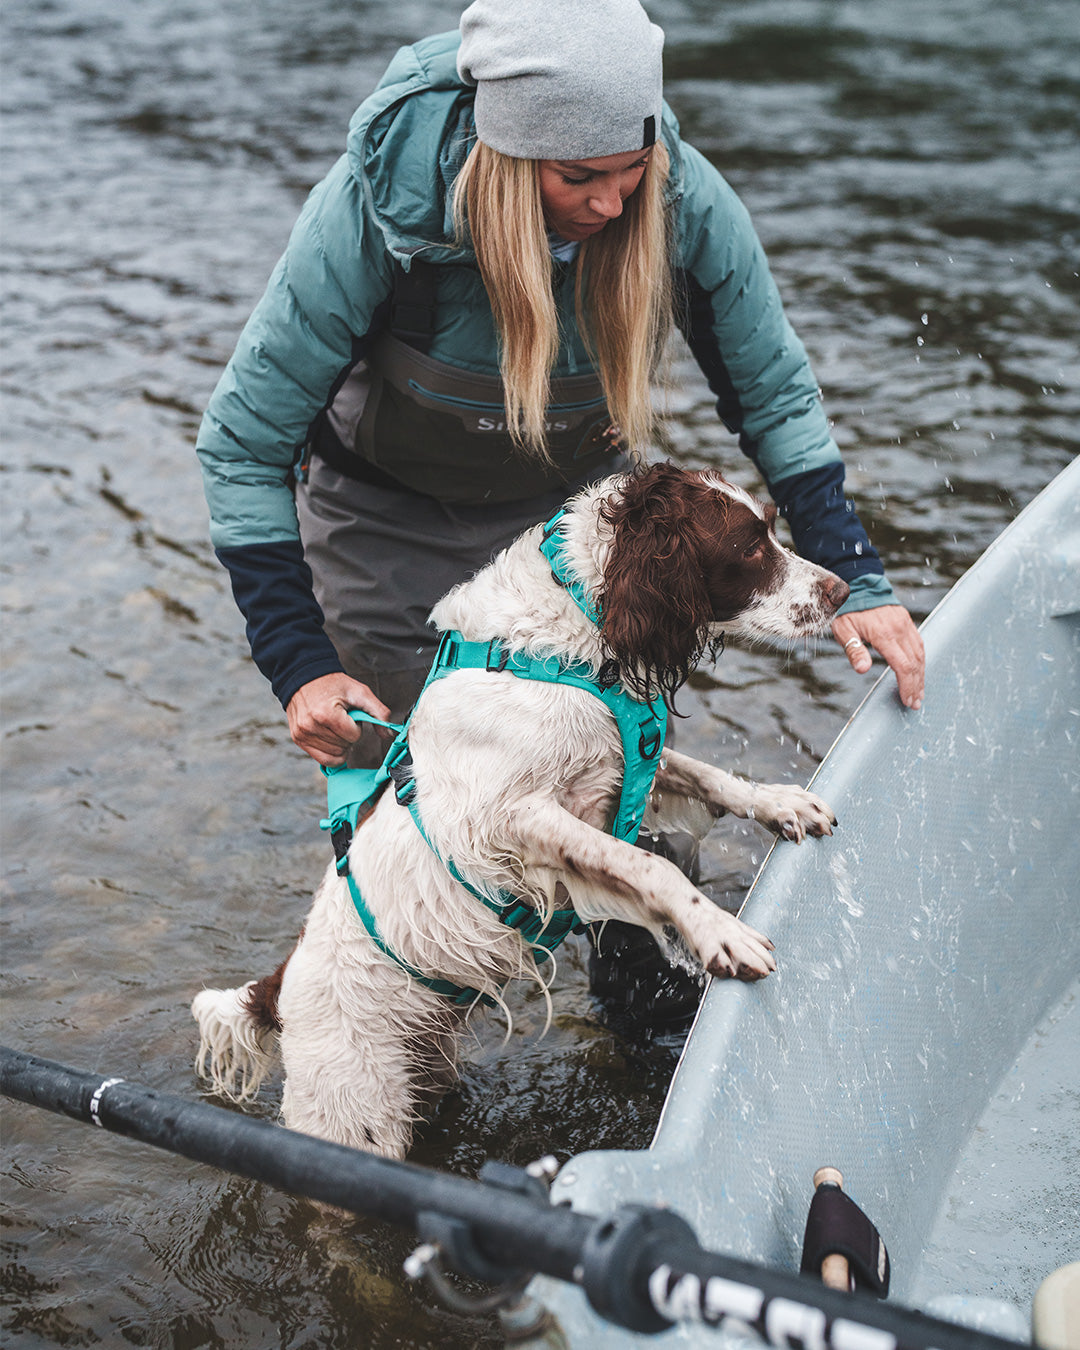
(319,720)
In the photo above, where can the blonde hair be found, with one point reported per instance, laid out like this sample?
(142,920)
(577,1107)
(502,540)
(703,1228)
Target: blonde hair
(622,290)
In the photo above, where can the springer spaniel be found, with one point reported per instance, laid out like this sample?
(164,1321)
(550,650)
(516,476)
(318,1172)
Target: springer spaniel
(517,781)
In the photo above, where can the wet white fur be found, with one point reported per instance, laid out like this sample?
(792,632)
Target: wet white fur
(516,780)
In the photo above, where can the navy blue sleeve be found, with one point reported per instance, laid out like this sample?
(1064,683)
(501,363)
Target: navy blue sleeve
(271,584)
(823,523)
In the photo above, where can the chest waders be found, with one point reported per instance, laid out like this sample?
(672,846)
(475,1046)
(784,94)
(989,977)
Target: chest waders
(441,430)
(352,793)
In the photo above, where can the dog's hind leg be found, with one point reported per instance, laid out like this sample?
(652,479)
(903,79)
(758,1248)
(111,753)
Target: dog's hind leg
(343,1096)
(354,1040)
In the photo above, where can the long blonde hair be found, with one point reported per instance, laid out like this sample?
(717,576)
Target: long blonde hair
(622,290)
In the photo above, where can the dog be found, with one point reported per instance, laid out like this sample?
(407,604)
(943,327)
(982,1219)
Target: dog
(516,781)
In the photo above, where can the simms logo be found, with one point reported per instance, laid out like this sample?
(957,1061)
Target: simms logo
(490,424)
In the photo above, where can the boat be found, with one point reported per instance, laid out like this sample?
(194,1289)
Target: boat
(922,1032)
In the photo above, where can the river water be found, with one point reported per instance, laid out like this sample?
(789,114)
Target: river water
(912,170)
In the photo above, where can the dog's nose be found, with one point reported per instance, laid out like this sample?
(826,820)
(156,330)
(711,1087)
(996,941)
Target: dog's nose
(836,592)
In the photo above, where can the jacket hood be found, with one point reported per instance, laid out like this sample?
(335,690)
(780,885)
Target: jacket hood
(414,133)
(411,135)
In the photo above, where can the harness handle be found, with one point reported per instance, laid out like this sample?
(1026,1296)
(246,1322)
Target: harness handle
(358,715)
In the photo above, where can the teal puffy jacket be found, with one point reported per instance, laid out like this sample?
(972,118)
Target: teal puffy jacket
(389,198)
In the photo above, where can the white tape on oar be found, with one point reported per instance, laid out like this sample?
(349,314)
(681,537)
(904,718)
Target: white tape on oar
(95,1100)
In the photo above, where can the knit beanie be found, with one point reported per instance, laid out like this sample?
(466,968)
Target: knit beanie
(563,79)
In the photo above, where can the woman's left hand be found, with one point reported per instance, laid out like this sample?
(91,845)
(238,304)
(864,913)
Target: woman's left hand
(889,629)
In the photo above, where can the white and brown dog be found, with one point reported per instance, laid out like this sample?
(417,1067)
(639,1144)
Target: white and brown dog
(517,781)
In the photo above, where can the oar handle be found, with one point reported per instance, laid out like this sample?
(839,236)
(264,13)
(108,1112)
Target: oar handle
(835,1271)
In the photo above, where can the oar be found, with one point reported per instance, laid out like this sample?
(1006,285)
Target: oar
(835,1271)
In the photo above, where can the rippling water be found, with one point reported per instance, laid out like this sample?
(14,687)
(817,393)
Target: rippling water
(911,168)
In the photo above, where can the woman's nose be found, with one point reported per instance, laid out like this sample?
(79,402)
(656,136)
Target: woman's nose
(607,201)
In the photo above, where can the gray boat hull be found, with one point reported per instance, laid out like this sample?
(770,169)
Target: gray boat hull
(919,949)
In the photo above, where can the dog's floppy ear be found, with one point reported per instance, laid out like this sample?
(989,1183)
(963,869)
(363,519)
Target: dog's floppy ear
(655,603)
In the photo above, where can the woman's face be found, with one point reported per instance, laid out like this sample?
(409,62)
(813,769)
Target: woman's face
(580,196)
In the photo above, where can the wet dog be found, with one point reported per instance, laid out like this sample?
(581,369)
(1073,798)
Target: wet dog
(516,782)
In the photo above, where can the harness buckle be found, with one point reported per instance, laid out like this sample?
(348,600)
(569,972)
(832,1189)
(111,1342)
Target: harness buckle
(341,838)
(447,652)
(650,748)
(401,775)
(496,647)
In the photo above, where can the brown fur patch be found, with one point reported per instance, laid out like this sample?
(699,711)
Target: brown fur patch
(261,1003)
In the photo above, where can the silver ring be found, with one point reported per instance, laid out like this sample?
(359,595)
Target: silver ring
(853,642)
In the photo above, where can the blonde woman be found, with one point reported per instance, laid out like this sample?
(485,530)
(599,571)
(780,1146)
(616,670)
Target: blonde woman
(462,331)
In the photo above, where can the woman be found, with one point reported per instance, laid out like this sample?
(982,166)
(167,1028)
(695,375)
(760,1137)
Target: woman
(461,332)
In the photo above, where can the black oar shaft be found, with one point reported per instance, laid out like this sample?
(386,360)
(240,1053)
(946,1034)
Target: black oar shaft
(518,1230)
(641,1267)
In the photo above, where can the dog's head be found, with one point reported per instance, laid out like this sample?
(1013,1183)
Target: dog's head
(691,556)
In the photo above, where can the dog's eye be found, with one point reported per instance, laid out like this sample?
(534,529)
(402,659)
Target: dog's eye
(754,551)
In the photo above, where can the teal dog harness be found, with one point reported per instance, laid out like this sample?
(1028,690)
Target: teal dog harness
(352,793)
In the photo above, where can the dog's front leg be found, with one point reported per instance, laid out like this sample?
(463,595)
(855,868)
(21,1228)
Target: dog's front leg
(788,811)
(624,882)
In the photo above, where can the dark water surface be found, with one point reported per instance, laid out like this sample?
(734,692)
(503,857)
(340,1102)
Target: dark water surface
(912,169)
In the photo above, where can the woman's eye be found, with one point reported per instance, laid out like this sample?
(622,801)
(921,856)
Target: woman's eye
(576,182)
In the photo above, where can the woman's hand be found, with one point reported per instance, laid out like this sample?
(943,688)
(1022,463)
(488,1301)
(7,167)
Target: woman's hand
(889,629)
(319,720)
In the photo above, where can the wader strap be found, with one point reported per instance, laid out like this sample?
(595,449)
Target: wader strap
(412,305)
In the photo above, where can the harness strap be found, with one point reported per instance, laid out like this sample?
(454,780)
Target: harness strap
(542,937)
(459,994)
(551,548)
(351,792)
(642,726)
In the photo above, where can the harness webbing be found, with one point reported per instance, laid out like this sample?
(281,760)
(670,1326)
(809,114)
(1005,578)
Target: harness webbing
(641,725)
(352,792)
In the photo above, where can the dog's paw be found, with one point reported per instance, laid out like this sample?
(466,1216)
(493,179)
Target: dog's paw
(792,812)
(734,950)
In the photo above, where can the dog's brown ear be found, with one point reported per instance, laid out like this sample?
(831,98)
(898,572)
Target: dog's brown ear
(655,604)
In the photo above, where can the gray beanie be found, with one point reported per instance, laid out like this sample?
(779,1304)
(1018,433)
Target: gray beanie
(563,79)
